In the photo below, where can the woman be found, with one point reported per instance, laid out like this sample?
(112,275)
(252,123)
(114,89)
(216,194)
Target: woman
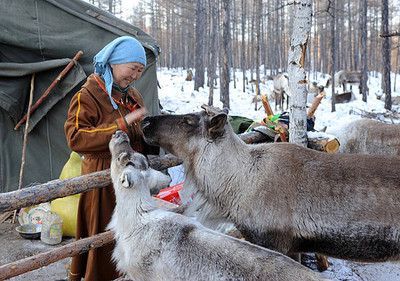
(106,103)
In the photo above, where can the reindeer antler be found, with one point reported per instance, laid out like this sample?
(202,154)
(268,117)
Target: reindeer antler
(211,110)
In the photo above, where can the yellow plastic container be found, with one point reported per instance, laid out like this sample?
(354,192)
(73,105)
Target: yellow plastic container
(67,207)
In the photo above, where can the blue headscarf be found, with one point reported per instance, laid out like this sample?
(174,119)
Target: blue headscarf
(121,50)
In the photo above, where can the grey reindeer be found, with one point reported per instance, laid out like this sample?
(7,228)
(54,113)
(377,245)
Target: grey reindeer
(367,136)
(154,244)
(283,196)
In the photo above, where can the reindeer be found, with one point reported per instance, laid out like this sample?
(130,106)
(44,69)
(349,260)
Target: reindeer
(281,89)
(368,136)
(283,196)
(154,244)
(313,90)
(344,77)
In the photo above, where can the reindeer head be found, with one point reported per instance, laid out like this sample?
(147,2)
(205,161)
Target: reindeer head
(175,133)
(124,156)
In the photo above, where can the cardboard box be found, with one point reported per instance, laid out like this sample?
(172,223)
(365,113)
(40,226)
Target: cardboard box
(171,194)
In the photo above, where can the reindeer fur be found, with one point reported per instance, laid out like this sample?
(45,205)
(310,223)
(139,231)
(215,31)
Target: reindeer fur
(283,196)
(368,136)
(154,244)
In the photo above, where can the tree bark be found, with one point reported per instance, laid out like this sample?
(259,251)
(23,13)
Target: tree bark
(386,56)
(213,61)
(333,53)
(199,55)
(226,53)
(364,70)
(302,11)
(257,51)
(243,55)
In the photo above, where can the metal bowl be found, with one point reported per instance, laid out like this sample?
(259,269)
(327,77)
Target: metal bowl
(29,231)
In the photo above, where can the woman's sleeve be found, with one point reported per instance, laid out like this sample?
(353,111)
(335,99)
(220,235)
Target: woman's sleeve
(84,134)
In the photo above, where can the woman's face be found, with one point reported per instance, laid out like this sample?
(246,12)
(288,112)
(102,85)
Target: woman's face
(125,73)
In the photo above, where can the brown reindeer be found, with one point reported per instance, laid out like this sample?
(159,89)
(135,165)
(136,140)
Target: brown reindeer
(283,196)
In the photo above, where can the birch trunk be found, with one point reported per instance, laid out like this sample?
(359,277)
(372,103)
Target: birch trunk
(302,11)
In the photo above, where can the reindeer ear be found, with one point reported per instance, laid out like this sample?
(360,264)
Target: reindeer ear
(216,125)
(126,179)
(122,158)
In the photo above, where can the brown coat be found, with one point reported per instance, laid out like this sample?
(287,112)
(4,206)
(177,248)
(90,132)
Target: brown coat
(91,122)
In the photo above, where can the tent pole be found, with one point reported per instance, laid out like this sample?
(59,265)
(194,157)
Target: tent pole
(59,77)
(21,171)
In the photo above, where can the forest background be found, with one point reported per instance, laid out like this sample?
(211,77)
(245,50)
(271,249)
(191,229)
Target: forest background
(345,34)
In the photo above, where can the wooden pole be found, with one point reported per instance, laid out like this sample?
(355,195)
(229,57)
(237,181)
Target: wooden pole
(72,249)
(315,104)
(46,93)
(267,106)
(281,133)
(21,171)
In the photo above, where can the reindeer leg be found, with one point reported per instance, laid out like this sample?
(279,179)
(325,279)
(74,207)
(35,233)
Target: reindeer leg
(287,102)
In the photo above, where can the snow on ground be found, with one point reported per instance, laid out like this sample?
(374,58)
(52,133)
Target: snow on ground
(177,96)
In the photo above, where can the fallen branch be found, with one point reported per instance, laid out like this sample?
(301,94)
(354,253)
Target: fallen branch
(72,249)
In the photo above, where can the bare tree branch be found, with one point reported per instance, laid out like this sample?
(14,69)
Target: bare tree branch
(396,33)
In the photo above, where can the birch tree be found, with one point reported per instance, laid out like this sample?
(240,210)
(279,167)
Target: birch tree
(302,11)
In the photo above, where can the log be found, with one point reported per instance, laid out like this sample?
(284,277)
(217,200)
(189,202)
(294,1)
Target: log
(72,249)
(253,137)
(327,145)
(164,162)
(60,188)
(51,190)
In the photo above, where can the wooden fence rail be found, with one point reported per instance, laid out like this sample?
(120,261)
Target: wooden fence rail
(72,249)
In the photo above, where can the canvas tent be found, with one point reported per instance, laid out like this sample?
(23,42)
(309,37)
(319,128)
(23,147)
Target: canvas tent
(41,37)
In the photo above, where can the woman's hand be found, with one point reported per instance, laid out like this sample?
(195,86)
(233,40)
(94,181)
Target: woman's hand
(136,115)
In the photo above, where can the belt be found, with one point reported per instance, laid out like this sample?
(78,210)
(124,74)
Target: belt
(103,154)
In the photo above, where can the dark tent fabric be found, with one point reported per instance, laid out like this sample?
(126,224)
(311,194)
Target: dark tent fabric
(42,37)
